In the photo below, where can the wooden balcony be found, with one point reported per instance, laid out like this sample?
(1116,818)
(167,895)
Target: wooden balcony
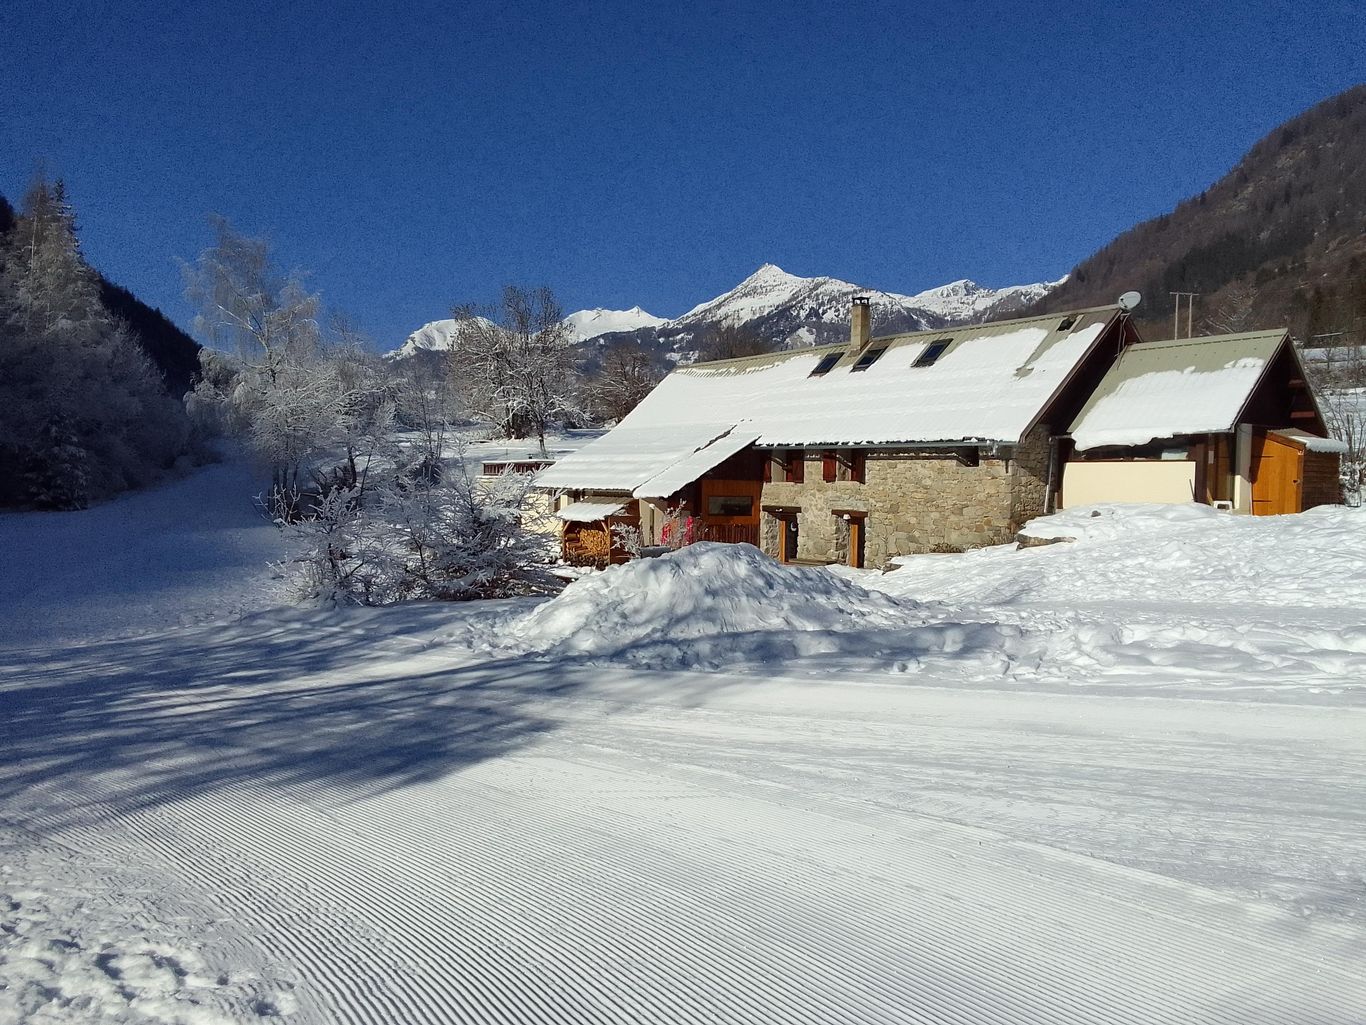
(732,533)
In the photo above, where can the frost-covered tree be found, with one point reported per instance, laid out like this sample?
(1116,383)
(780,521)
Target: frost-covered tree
(366,417)
(1336,367)
(625,373)
(83,412)
(426,407)
(296,399)
(517,365)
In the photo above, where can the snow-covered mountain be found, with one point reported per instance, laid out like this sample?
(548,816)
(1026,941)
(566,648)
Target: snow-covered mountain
(794,311)
(436,336)
(788,308)
(588,324)
(964,301)
(440,335)
(782,308)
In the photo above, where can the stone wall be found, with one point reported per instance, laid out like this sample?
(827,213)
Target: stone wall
(915,501)
(1029,470)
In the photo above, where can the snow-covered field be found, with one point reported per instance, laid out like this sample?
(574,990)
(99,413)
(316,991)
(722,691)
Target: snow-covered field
(1115,780)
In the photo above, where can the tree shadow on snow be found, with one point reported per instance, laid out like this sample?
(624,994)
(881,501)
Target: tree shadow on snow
(343,703)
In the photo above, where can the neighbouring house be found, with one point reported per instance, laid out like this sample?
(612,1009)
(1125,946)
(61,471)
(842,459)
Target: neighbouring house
(946,440)
(539,508)
(1227,420)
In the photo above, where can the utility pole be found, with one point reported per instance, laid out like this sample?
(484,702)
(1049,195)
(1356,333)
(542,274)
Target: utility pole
(1190,298)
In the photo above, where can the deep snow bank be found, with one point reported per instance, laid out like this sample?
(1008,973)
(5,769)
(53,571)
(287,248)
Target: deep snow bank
(707,601)
(1158,555)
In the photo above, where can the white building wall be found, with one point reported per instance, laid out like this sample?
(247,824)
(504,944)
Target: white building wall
(1167,481)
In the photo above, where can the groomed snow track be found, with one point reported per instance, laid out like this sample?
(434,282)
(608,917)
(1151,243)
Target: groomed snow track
(638,847)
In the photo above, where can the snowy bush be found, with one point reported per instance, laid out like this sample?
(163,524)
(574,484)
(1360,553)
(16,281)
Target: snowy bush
(449,537)
(627,538)
(679,529)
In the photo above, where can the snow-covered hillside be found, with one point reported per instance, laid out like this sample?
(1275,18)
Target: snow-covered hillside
(784,308)
(1109,781)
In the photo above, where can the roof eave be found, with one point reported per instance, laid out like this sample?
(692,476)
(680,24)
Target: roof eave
(1117,317)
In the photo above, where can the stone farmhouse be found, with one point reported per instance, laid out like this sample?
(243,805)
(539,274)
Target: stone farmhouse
(947,440)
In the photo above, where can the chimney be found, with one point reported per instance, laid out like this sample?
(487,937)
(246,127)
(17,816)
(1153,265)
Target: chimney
(860,324)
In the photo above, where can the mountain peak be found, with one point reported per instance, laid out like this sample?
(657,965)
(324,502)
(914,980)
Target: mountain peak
(963,286)
(770,272)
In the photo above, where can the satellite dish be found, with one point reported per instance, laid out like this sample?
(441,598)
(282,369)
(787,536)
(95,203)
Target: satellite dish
(1129,301)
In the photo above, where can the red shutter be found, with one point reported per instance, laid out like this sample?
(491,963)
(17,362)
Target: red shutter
(768,468)
(828,466)
(796,467)
(857,465)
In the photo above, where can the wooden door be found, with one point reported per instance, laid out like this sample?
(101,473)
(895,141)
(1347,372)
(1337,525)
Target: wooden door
(856,542)
(1277,475)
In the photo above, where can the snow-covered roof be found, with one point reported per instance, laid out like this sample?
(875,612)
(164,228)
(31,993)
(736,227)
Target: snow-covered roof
(989,385)
(1312,442)
(625,457)
(589,512)
(1167,389)
(687,470)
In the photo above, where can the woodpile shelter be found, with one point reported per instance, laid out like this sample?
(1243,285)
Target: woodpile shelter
(946,440)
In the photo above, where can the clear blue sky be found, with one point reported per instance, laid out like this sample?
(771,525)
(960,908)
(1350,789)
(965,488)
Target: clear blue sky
(634,153)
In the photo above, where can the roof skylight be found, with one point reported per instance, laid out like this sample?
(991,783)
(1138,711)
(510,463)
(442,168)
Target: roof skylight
(932,353)
(826,364)
(868,359)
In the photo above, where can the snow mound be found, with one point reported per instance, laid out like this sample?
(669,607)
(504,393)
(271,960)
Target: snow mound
(732,597)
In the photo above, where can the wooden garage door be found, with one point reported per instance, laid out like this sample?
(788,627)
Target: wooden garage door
(1277,472)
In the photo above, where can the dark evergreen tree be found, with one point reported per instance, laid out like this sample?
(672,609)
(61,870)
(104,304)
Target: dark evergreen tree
(83,414)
